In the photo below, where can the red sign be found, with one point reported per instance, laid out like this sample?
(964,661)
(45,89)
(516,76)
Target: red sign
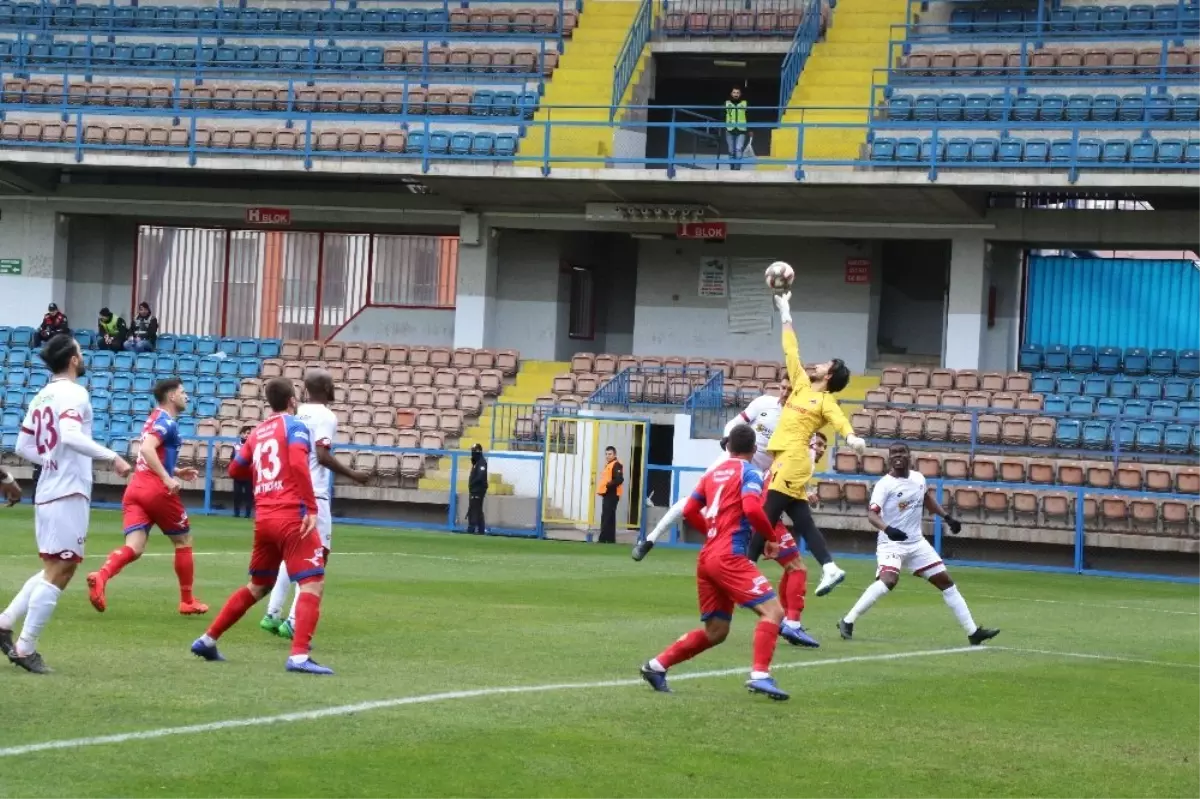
(272,217)
(708,231)
(858,270)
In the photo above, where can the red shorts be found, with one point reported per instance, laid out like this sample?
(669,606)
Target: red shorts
(788,550)
(723,581)
(147,505)
(279,540)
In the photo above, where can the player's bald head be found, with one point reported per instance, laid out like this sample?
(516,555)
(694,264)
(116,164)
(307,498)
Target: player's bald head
(318,383)
(279,393)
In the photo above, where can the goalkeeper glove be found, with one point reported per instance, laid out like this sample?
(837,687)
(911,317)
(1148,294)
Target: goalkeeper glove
(783,305)
(894,534)
(954,524)
(856,444)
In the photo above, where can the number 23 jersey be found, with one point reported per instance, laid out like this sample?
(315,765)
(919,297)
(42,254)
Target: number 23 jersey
(275,457)
(59,405)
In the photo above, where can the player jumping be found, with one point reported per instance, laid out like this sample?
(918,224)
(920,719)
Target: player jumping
(152,499)
(285,526)
(322,424)
(809,407)
(728,504)
(56,434)
(895,511)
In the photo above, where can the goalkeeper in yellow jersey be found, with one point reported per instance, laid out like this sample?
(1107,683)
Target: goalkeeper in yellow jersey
(808,408)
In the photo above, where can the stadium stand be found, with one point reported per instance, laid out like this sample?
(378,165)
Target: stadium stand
(699,19)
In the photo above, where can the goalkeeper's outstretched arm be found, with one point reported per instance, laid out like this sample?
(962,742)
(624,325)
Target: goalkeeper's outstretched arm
(791,347)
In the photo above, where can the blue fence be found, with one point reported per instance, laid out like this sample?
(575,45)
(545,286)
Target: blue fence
(799,51)
(630,54)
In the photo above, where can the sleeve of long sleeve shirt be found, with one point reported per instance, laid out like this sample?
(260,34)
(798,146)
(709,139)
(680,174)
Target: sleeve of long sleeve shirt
(239,467)
(837,418)
(791,358)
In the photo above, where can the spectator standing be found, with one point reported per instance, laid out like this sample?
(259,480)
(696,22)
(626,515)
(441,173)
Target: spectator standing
(477,487)
(243,490)
(53,323)
(111,330)
(736,128)
(610,488)
(143,333)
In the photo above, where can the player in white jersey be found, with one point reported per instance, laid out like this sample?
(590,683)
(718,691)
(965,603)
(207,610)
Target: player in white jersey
(897,503)
(322,426)
(56,434)
(761,414)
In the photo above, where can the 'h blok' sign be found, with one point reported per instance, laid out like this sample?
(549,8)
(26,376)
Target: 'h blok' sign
(270,217)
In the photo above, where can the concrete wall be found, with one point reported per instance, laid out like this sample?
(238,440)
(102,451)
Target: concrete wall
(912,302)
(426,326)
(35,234)
(527,293)
(834,315)
(100,264)
(1000,344)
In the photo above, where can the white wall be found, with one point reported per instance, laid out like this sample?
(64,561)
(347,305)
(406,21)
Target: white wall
(527,288)
(690,451)
(1001,342)
(36,235)
(833,316)
(412,326)
(100,264)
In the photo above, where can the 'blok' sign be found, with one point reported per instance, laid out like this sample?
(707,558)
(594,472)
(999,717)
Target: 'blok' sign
(269,217)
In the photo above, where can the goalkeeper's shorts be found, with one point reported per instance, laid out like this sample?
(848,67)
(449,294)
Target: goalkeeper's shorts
(791,476)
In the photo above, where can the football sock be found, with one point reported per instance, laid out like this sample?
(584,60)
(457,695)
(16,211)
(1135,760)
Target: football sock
(42,601)
(795,585)
(185,571)
(292,612)
(234,608)
(673,515)
(20,603)
(959,606)
(687,647)
(308,612)
(279,593)
(766,633)
(869,597)
(118,559)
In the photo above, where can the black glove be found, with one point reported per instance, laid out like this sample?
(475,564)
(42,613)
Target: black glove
(954,524)
(894,534)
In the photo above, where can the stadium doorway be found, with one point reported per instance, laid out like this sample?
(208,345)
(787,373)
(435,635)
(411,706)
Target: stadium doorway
(908,299)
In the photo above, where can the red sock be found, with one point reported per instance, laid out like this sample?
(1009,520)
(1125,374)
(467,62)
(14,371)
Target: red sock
(687,647)
(765,635)
(235,607)
(783,589)
(795,584)
(185,571)
(308,612)
(117,559)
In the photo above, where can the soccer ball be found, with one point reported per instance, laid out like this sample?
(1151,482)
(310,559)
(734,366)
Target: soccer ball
(780,276)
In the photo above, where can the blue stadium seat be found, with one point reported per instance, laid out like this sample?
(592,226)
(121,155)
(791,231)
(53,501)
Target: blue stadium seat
(1044,383)
(1061,150)
(1187,107)
(22,335)
(101,381)
(1081,406)
(1195,446)
(5,335)
(1011,150)
(506,145)
(1037,150)
(1176,389)
(415,143)
(14,398)
(16,378)
(122,403)
(142,406)
(1069,433)
(187,427)
(17,356)
(1136,409)
(101,360)
(1170,151)
(1187,363)
(883,149)
(1054,108)
(205,345)
(143,383)
(950,107)
(961,20)
(227,367)
(227,388)
(1159,107)
(206,386)
(1191,152)
(1082,358)
(101,401)
(164,362)
(229,346)
(1163,410)
(1108,360)
(1095,386)
(1190,17)
(189,384)
(999,107)
(1176,438)
(38,379)
(1030,359)
(976,107)
(482,144)
(248,367)
(1189,412)
(986,20)
(1057,357)
(1165,16)
(1140,18)
(1149,389)
(1112,18)
(1026,107)
(1078,107)
(1108,407)
(1054,404)
(85,337)
(11,419)
(1096,433)
(165,343)
(439,143)
(1062,20)
(185,345)
(143,362)
(207,367)
(1143,150)
(1162,362)
(186,364)
(1010,20)
(1070,385)
(909,149)
(460,143)
(984,150)
(1115,151)
(1136,360)
(123,362)
(122,383)
(269,347)
(1149,437)
(207,407)
(1089,150)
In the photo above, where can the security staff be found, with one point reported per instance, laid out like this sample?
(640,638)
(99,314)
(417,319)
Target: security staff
(609,489)
(736,127)
(477,486)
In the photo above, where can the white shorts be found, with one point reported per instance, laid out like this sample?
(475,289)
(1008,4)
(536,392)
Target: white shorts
(762,460)
(324,523)
(919,557)
(61,527)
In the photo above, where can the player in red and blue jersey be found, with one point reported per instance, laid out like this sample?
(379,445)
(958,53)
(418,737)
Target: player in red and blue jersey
(152,500)
(727,503)
(275,457)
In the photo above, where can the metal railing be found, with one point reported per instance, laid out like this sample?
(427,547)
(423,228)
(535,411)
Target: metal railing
(526,426)
(631,53)
(799,51)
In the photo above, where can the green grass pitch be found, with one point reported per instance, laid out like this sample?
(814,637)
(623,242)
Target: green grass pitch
(1096,695)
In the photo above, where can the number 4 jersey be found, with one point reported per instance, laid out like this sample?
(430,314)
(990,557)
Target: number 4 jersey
(275,457)
(60,406)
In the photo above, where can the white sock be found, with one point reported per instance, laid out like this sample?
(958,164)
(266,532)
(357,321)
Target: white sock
(297,658)
(869,597)
(208,640)
(279,593)
(654,664)
(42,601)
(959,605)
(759,675)
(793,623)
(292,612)
(673,515)
(20,603)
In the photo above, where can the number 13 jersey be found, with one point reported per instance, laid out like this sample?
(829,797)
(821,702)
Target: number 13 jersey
(60,405)
(276,453)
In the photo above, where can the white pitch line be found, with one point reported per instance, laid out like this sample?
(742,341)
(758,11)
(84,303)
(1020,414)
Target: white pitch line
(422,699)
(1089,656)
(1100,605)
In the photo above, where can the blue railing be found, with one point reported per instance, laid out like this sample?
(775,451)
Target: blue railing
(524,426)
(706,405)
(655,385)
(631,53)
(798,52)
